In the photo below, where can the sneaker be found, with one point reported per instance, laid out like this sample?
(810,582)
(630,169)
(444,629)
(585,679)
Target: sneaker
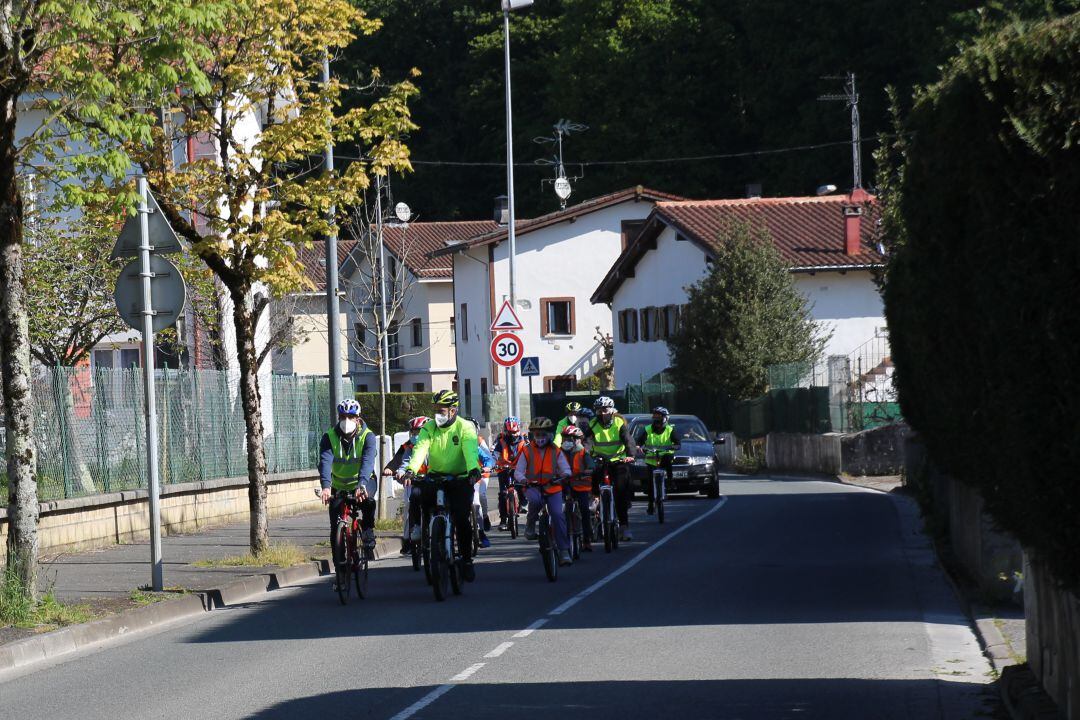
(414,534)
(530,530)
(468,571)
(502,526)
(368,536)
(484,542)
(651,509)
(564,558)
(626,534)
(405,548)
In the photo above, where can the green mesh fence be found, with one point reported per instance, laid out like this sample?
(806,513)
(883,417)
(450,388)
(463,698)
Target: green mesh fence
(89,430)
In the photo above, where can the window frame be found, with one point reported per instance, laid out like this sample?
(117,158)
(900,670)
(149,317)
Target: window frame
(545,309)
(417,332)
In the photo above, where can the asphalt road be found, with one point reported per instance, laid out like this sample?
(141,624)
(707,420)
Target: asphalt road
(783,599)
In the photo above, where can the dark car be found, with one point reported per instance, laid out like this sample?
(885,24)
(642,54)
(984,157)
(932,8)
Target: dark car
(695,466)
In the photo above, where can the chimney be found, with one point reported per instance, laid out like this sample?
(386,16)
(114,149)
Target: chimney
(502,210)
(853,212)
(753,190)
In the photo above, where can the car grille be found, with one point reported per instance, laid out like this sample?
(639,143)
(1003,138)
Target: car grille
(681,460)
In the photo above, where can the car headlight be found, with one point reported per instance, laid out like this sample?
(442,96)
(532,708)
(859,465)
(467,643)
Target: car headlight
(639,462)
(700,460)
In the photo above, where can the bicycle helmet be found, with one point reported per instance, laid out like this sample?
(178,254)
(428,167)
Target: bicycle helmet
(572,408)
(660,410)
(448,398)
(573,432)
(541,424)
(512,425)
(348,406)
(603,403)
(417,422)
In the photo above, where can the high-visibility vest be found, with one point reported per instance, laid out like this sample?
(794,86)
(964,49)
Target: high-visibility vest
(658,442)
(581,481)
(345,472)
(507,453)
(540,467)
(606,441)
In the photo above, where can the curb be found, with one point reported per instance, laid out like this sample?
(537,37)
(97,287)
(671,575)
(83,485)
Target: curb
(47,646)
(1024,695)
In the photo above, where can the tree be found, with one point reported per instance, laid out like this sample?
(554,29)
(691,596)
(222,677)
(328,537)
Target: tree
(261,193)
(745,315)
(56,46)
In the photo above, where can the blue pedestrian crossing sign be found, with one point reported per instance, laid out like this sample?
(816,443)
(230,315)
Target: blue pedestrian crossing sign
(530,366)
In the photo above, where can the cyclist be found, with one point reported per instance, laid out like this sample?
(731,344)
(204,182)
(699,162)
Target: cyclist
(448,444)
(573,414)
(541,467)
(480,500)
(347,453)
(608,438)
(411,496)
(508,445)
(658,443)
(580,483)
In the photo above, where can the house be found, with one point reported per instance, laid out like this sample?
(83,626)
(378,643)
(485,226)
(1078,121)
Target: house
(559,258)
(829,244)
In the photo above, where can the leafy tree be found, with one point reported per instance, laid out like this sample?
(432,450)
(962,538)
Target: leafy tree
(262,193)
(745,315)
(51,52)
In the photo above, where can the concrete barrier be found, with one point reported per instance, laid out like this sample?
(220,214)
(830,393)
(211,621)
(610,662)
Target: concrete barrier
(101,520)
(805,453)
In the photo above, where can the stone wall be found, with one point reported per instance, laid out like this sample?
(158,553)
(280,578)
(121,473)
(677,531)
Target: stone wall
(878,451)
(803,452)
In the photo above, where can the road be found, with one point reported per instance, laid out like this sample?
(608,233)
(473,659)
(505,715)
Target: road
(783,599)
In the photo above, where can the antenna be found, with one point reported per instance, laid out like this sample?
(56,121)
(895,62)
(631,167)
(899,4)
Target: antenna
(561,182)
(851,97)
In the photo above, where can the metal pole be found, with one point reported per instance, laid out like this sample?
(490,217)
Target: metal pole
(856,135)
(382,285)
(513,402)
(150,404)
(333,331)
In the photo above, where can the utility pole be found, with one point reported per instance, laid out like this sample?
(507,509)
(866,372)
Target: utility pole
(851,97)
(333,332)
(385,340)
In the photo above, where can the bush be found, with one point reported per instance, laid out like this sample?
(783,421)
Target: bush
(400,409)
(981,294)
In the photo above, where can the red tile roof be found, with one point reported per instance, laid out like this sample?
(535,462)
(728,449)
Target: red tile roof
(314,261)
(573,211)
(808,232)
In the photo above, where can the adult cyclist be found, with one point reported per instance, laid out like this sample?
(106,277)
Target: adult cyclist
(411,496)
(347,453)
(508,445)
(607,437)
(658,443)
(448,444)
(573,415)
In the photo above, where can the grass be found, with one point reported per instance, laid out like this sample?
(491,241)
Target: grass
(283,555)
(146,596)
(389,524)
(18,610)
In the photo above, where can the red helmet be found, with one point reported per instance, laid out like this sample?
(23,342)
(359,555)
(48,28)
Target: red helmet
(572,431)
(416,423)
(512,425)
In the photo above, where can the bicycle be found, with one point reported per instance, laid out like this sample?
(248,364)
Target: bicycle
(549,549)
(509,503)
(353,568)
(659,485)
(406,527)
(441,556)
(608,518)
(573,523)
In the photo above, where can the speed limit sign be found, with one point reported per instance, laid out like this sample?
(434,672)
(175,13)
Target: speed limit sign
(506,349)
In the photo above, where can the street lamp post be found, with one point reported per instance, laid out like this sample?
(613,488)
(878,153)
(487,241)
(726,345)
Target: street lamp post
(511,372)
(332,305)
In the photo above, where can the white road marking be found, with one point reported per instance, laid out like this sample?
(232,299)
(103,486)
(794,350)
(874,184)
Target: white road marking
(467,673)
(634,561)
(503,647)
(423,702)
(529,630)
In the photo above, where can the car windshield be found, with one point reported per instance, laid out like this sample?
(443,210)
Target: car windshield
(689,428)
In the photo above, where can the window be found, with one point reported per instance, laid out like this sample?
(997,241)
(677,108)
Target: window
(359,333)
(393,342)
(483,386)
(395,387)
(417,333)
(560,383)
(649,321)
(628,327)
(362,388)
(103,358)
(557,316)
(670,317)
(630,230)
(129,358)
(418,387)
(464,322)
(468,397)
(453,331)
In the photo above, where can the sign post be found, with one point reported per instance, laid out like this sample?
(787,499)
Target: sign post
(530,368)
(136,307)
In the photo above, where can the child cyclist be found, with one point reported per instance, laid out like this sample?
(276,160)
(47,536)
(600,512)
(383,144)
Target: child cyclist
(541,467)
(411,497)
(580,483)
(508,445)
(480,488)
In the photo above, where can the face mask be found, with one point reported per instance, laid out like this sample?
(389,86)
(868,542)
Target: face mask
(606,418)
(541,440)
(572,419)
(347,426)
(658,424)
(442,419)
(568,446)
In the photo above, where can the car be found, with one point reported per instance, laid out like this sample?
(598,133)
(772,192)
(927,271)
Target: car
(695,467)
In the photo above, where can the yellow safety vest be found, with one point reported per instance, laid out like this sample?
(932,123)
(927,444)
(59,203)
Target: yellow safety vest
(657,442)
(345,472)
(606,441)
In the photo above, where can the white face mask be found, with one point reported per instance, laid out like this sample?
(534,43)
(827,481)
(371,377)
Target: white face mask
(541,440)
(572,419)
(568,446)
(442,419)
(347,426)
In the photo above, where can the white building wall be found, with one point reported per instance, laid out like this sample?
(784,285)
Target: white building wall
(846,303)
(471,289)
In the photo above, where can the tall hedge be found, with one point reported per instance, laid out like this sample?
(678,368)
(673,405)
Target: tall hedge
(983,290)
(400,409)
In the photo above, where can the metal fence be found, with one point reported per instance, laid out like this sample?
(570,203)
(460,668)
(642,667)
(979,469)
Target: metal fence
(89,429)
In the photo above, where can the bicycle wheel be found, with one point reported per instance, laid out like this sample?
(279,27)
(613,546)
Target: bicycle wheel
(416,550)
(514,528)
(343,565)
(360,578)
(425,550)
(439,564)
(548,550)
(475,514)
(615,529)
(457,582)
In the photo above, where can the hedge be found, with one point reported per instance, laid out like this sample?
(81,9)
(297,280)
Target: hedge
(982,292)
(400,409)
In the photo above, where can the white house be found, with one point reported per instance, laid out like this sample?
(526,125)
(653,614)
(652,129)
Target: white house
(828,242)
(560,258)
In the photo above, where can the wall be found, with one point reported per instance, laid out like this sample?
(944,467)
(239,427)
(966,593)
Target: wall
(312,356)
(102,520)
(803,453)
(878,451)
(471,288)
(846,303)
(1053,636)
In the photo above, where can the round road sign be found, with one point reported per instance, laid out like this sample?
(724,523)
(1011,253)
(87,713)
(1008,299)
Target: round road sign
(506,349)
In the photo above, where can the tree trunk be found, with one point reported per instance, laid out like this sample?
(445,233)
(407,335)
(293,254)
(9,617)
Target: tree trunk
(251,401)
(22,546)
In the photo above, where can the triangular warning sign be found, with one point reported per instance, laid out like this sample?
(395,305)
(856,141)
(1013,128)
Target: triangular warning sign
(507,319)
(163,238)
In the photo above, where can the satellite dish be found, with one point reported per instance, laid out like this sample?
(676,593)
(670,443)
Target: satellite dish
(562,188)
(402,212)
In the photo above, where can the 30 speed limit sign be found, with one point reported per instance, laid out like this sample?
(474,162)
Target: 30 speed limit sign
(506,349)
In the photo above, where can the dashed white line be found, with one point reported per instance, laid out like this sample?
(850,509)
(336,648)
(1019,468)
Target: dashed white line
(529,630)
(503,647)
(423,702)
(467,673)
(636,559)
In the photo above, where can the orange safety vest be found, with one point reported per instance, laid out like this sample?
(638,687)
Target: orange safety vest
(580,480)
(540,467)
(507,454)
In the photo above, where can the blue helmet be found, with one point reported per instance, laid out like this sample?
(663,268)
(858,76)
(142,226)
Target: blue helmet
(348,406)
(660,410)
